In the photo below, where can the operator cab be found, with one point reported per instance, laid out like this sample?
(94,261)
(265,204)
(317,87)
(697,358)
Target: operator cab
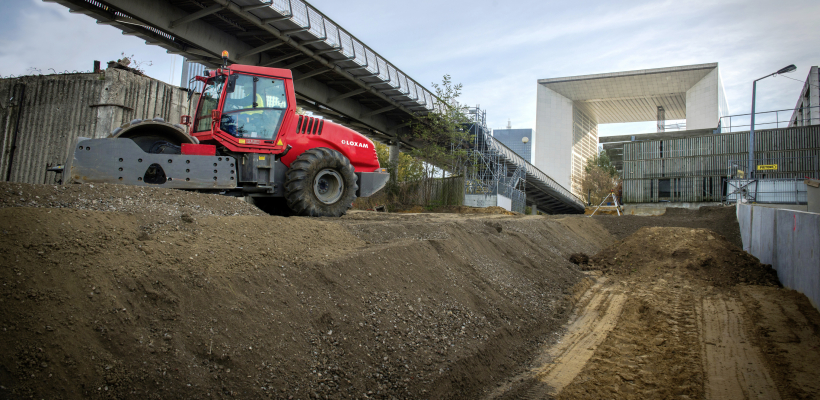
(254,108)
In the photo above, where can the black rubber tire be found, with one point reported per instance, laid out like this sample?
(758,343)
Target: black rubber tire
(154,136)
(300,183)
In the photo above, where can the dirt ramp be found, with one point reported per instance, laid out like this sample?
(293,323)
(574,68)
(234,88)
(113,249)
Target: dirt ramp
(700,253)
(124,305)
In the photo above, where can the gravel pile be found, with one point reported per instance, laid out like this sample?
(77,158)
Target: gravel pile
(157,207)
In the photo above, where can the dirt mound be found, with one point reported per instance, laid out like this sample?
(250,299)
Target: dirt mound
(702,252)
(720,219)
(456,210)
(156,207)
(96,305)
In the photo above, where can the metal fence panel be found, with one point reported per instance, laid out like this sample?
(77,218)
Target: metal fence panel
(316,23)
(300,13)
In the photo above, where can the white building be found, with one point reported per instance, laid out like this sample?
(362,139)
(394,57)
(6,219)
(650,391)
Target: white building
(807,110)
(569,110)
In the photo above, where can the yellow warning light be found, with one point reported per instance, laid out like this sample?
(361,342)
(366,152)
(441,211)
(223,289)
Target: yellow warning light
(225,58)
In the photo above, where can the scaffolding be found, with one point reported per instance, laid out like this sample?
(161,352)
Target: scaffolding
(487,171)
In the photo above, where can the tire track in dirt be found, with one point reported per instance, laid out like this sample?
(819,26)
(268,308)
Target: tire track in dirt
(734,368)
(652,352)
(689,325)
(583,337)
(596,314)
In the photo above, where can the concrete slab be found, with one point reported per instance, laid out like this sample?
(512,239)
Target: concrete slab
(784,255)
(797,252)
(744,219)
(807,255)
(480,200)
(762,241)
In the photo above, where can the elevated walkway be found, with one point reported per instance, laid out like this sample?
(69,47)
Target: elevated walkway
(513,174)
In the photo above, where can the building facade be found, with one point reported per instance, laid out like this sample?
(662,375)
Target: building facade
(517,140)
(569,110)
(807,110)
(696,168)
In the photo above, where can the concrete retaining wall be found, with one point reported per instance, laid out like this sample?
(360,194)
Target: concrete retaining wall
(788,240)
(41,115)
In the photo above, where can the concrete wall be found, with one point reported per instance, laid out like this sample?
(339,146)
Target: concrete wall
(788,240)
(504,202)
(552,147)
(703,102)
(480,200)
(41,115)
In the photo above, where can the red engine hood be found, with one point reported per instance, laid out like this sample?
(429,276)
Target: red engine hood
(356,147)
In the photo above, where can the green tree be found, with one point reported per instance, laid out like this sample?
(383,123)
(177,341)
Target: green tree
(439,129)
(602,161)
(600,177)
(410,169)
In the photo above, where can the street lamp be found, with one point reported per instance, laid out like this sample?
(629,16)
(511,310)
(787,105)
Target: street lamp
(784,70)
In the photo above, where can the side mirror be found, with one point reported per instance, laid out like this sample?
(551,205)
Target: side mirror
(232,83)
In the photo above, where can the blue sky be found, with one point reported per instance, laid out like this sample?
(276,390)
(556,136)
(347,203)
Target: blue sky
(496,49)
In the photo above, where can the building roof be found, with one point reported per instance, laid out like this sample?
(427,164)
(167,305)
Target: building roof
(632,96)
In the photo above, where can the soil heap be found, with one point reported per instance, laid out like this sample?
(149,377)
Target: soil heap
(124,292)
(701,253)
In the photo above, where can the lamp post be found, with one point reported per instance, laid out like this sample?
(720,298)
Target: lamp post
(783,70)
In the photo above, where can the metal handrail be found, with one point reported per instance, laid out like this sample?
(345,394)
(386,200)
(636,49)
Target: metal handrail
(284,8)
(777,122)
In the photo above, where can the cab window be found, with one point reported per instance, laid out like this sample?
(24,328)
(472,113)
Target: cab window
(254,107)
(208,101)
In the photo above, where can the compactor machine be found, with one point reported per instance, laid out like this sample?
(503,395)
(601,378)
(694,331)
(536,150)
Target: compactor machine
(245,139)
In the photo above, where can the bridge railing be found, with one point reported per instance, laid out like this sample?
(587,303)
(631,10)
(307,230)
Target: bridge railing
(531,170)
(320,26)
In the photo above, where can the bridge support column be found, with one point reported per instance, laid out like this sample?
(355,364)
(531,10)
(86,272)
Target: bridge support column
(393,161)
(533,210)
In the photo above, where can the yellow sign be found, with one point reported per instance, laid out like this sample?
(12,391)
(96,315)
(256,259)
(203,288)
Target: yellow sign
(770,167)
(241,141)
(279,143)
(261,158)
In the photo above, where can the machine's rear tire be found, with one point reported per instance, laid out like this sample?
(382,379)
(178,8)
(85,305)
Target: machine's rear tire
(320,183)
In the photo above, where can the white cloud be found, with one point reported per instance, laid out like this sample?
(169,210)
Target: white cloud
(48,38)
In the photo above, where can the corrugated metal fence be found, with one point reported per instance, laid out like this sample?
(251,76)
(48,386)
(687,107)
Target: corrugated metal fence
(695,168)
(40,116)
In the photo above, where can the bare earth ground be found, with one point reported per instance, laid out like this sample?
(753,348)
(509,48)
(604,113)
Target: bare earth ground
(679,313)
(119,292)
